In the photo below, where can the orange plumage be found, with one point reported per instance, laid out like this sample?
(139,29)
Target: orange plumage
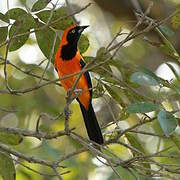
(68,60)
(71,67)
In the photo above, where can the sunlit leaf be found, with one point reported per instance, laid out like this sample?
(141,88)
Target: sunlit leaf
(45,39)
(3,33)
(59,20)
(167,122)
(7,169)
(40,4)
(83,43)
(142,107)
(12,139)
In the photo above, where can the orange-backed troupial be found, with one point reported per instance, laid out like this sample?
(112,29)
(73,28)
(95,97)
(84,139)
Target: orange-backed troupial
(68,60)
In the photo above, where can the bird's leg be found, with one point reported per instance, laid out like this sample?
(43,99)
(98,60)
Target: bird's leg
(69,98)
(67,111)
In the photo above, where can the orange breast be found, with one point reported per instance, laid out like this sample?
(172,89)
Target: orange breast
(69,67)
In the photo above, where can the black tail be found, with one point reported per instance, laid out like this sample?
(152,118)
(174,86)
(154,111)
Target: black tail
(92,126)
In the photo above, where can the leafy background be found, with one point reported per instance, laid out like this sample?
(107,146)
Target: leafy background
(143,83)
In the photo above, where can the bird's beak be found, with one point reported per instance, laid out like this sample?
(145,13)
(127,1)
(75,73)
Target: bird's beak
(81,29)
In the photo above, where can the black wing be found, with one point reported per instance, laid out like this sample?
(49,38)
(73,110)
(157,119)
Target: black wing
(88,78)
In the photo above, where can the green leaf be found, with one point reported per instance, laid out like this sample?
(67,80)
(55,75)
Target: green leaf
(83,44)
(49,150)
(16,43)
(7,169)
(101,56)
(175,138)
(100,71)
(167,122)
(142,107)
(4,18)
(117,63)
(88,59)
(58,20)
(176,18)
(115,94)
(98,91)
(21,26)
(124,173)
(166,30)
(45,40)
(40,4)
(143,79)
(3,34)
(173,70)
(169,50)
(150,73)
(12,139)
(101,52)
(167,46)
(15,13)
(136,144)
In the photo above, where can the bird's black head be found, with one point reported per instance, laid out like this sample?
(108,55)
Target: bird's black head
(74,34)
(71,36)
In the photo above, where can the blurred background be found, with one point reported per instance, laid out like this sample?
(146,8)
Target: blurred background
(105,19)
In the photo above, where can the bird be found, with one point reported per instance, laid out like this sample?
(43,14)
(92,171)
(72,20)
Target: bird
(68,60)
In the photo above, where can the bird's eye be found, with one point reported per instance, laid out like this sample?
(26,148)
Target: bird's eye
(73,31)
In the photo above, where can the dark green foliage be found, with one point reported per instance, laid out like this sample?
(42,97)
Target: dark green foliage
(39,5)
